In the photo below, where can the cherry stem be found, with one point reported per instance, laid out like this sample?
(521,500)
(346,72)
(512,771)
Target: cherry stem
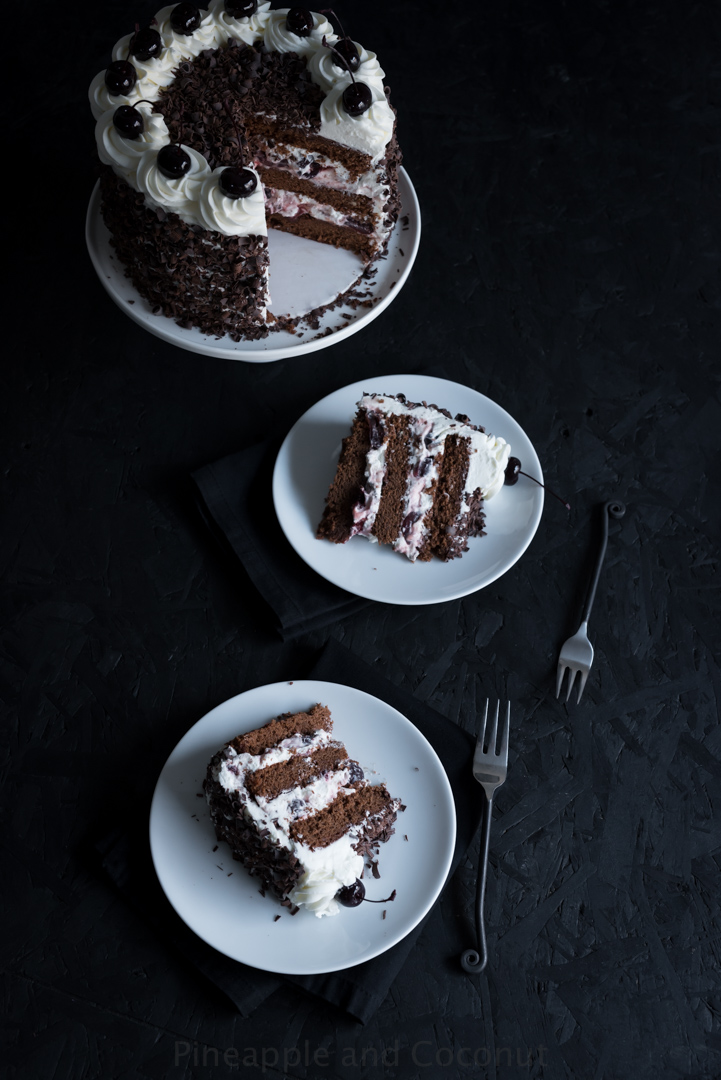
(329,11)
(548,489)
(386,901)
(345,64)
(132,39)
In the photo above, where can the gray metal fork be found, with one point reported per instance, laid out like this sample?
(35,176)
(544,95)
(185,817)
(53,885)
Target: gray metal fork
(490,766)
(576,654)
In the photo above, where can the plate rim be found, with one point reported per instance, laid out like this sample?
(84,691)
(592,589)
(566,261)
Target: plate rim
(442,788)
(358,387)
(252,352)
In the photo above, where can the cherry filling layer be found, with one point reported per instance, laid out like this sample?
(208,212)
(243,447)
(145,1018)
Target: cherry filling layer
(291,205)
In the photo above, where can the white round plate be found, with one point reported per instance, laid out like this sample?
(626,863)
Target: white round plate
(306,466)
(303,275)
(221,902)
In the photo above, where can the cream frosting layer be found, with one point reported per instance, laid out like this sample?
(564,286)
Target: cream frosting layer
(369,133)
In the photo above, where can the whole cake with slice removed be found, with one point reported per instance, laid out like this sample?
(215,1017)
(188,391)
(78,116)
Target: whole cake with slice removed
(297,811)
(413,476)
(214,125)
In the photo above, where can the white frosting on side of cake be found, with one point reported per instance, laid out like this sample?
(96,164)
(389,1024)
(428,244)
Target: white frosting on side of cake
(325,869)
(488,458)
(369,133)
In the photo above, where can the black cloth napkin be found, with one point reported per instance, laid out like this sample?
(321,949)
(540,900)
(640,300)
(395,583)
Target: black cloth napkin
(359,990)
(236,502)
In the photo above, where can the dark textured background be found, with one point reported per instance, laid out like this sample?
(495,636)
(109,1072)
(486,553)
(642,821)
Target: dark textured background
(566,160)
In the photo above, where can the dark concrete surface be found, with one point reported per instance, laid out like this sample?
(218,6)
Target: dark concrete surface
(566,157)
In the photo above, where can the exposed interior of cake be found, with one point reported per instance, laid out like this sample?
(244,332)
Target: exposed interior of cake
(413,476)
(313,187)
(296,810)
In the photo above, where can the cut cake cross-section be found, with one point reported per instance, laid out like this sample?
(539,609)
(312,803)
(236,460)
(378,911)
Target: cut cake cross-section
(413,476)
(296,810)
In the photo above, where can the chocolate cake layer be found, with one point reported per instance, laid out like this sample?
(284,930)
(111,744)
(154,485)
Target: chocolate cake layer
(444,538)
(389,519)
(360,808)
(302,723)
(299,771)
(283,180)
(325,232)
(347,487)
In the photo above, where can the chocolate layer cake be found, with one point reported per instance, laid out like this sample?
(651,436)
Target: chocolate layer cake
(307,130)
(413,476)
(296,810)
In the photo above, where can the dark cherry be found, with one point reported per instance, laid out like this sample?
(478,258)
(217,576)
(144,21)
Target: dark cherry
(145,44)
(513,470)
(128,121)
(357,98)
(185,19)
(352,895)
(349,53)
(355,894)
(241,9)
(120,77)
(173,161)
(237,183)
(299,21)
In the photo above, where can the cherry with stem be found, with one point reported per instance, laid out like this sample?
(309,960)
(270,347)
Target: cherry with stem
(345,47)
(513,471)
(357,96)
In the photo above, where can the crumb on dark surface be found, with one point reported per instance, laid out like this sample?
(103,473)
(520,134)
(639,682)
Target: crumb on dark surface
(215,848)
